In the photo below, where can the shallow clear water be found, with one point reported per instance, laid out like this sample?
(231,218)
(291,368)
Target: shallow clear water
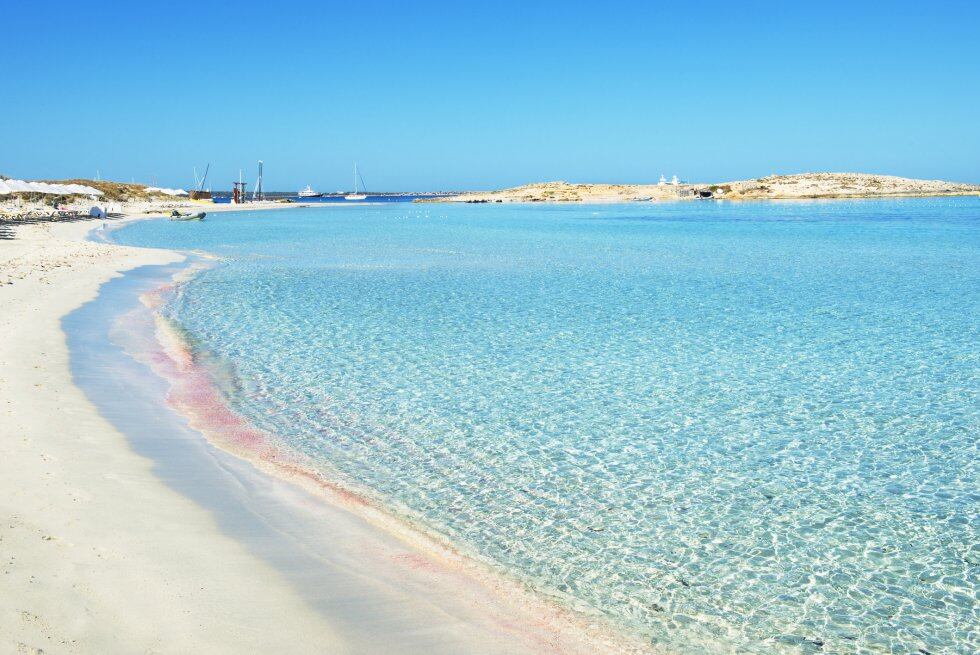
(729,427)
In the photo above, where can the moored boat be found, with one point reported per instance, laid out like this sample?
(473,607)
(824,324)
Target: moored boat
(308,192)
(356,195)
(177,216)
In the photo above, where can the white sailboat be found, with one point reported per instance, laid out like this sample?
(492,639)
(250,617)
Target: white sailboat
(356,195)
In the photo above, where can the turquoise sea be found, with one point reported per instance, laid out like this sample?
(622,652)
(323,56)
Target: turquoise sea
(728,427)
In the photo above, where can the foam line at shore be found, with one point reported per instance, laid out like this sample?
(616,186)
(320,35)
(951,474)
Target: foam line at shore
(404,564)
(99,555)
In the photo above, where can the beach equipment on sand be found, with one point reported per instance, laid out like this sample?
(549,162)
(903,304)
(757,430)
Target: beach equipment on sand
(166,192)
(84,190)
(18,186)
(47,188)
(52,189)
(41,188)
(199,192)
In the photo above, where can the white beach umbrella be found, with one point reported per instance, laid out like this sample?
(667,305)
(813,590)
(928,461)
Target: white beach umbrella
(84,190)
(167,192)
(18,186)
(43,188)
(174,192)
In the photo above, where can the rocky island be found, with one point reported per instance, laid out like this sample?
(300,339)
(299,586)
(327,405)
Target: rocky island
(774,187)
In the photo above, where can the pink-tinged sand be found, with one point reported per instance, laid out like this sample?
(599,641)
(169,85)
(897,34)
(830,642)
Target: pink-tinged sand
(496,610)
(99,555)
(102,555)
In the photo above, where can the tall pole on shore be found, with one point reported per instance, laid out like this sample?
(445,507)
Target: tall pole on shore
(257,193)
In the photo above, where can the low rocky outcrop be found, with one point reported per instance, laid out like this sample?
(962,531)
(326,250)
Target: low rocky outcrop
(773,187)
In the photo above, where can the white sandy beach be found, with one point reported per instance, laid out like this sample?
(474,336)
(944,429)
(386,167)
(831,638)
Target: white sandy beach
(99,555)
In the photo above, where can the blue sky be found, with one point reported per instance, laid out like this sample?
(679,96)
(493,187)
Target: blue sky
(433,95)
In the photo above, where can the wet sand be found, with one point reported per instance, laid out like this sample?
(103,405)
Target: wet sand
(124,530)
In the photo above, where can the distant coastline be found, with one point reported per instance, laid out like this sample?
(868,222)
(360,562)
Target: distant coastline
(805,186)
(137,199)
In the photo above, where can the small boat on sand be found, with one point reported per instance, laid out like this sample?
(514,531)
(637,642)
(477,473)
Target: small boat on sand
(177,216)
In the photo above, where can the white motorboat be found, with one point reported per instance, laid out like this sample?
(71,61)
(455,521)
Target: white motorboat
(308,192)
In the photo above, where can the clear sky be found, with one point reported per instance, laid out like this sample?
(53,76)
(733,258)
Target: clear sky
(428,95)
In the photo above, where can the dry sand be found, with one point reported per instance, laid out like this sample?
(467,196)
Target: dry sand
(99,555)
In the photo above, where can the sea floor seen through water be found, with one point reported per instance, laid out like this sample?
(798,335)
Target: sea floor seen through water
(727,427)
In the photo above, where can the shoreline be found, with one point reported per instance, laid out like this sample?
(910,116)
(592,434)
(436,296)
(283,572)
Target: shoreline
(98,554)
(473,613)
